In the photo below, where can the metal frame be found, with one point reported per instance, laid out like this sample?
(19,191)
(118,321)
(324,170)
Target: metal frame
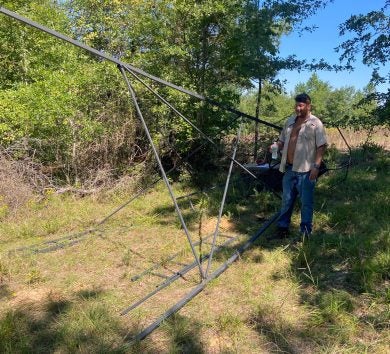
(177,275)
(205,277)
(162,170)
(223,202)
(195,291)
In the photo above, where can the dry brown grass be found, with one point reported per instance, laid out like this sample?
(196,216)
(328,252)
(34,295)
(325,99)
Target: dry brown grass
(379,136)
(15,191)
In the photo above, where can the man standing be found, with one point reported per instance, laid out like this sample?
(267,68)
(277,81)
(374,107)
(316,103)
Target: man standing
(303,143)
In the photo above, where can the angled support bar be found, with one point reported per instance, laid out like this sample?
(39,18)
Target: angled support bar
(178,211)
(174,277)
(170,258)
(95,51)
(223,202)
(162,99)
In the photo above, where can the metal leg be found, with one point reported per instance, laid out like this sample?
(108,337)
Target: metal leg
(223,202)
(132,93)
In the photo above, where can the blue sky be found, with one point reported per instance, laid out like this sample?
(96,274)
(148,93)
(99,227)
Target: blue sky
(321,44)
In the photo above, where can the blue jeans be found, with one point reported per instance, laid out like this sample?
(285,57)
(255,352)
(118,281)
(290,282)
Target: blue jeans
(297,184)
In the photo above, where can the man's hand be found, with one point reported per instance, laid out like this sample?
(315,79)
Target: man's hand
(280,146)
(313,173)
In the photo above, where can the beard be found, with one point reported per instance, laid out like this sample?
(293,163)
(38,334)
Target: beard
(302,114)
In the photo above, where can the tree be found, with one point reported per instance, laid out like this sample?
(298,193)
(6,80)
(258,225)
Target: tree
(28,54)
(319,91)
(69,108)
(215,47)
(372,40)
(338,107)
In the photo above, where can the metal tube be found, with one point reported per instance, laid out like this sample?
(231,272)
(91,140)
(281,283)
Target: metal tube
(248,116)
(110,58)
(132,93)
(140,192)
(162,99)
(201,286)
(154,266)
(94,51)
(173,256)
(222,203)
(174,277)
(52,245)
(100,223)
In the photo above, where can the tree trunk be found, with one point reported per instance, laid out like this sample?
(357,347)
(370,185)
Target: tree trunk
(256,148)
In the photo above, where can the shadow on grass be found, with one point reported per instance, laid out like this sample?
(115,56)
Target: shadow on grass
(247,210)
(184,335)
(350,258)
(25,329)
(344,259)
(348,255)
(56,324)
(279,338)
(245,206)
(354,256)
(87,294)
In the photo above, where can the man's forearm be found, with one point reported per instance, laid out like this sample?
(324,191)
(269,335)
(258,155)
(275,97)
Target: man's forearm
(320,154)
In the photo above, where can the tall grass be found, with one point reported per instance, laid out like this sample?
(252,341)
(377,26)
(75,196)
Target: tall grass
(327,294)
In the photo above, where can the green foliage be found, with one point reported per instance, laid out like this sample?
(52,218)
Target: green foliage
(74,110)
(338,107)
(39,110)
(27,54)
(274,106)
(372,40)
(213,47)
(63,111)
(342,107)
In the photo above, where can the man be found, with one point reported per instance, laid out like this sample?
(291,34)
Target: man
(303,143)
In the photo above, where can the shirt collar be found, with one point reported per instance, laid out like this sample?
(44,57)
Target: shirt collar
(292,119)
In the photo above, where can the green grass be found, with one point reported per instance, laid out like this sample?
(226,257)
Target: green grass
(329,294)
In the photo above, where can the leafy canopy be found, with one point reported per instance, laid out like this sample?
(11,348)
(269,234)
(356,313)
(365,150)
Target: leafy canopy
(371,40)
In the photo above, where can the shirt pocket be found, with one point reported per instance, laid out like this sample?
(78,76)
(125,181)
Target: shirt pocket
(310,132)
